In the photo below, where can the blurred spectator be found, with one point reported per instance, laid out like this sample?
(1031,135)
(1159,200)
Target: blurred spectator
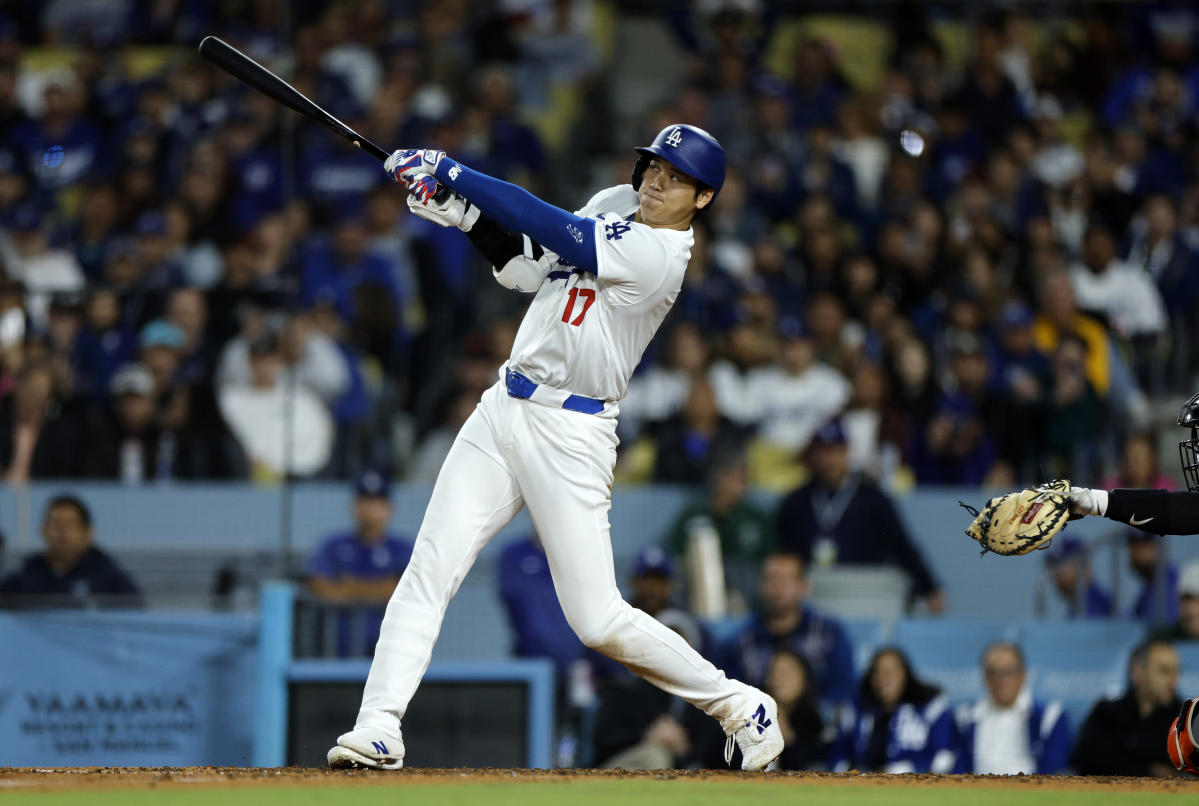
(1007,732)
(797,394)
(1022,373)
(72,571)
(359,570)
(875,428)
(789,681)
(744,530)
(124,445)
(283,428)
(28,257)
(1157,601)
(187,310)
(957,443)
(785,622)
(42,430)
(435,446)
(1059,316)
(311,359)
(1187,626)
(1123,294)
(161,344)
(539,627)
(689,443)
(1075,412)
(104,343)
(1069,566)
(842,518)
(899,723)
(658,393)
(1124,736)
(1139,466)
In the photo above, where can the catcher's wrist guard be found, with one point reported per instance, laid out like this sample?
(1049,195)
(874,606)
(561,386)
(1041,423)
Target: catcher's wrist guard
(1180,742)
(1020,522)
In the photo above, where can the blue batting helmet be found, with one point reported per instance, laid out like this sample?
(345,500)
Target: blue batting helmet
(692,150)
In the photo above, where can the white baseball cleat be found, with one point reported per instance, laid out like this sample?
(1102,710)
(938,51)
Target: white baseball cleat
(368,748)
(759,737)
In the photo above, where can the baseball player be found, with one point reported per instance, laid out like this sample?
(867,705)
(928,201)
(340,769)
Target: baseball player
(1162,513)
(544,436)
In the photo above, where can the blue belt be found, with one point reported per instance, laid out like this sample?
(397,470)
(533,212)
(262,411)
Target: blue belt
(521,387)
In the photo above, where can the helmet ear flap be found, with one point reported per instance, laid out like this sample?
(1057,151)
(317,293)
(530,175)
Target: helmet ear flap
(639,170)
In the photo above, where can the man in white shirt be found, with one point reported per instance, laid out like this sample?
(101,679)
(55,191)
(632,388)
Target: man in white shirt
(1124,294)
(797,394)
(1008,732)
(278,435)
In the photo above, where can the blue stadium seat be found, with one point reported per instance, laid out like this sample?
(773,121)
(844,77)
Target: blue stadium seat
(1078,662)
(947,651)
(866,635)
(1188,683)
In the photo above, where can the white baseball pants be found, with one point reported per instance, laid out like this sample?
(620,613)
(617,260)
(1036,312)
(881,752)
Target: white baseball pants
(513,453)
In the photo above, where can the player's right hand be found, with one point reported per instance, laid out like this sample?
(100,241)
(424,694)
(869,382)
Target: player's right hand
(1180,742)
(454,211)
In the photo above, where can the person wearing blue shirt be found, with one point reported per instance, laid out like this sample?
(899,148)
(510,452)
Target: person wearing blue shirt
(785,622)
(1157,601)
(1069,569)
(358,570)
(1008,732)
(898,723)
(539,627)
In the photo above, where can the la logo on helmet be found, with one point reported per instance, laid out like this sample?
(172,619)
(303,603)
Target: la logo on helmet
(675,138)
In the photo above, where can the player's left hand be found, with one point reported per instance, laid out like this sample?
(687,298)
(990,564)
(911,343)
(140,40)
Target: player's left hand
(1180,741)
(1021,521)
(454,211)
(414,167)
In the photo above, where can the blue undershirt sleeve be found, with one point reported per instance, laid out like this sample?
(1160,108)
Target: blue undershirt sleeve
(571,236)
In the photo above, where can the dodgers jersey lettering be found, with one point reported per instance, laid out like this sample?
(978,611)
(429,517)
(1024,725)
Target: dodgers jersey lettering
(585,333)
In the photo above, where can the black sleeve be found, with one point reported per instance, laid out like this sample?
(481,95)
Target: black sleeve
(1156,511)
(498,245)
(1100,749)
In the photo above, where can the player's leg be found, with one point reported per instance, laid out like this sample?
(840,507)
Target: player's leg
(563,461)
(474,497)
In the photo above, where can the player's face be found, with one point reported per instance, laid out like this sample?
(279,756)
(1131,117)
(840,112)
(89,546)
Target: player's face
(669,198)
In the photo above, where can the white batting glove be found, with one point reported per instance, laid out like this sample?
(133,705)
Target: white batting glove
(455,211)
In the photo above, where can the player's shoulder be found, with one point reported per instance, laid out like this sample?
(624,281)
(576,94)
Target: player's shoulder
(621,200)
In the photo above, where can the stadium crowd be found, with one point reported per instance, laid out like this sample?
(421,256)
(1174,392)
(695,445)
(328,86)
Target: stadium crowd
(978,267)
(985,264)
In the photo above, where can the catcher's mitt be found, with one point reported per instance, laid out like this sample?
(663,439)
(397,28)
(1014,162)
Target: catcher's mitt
(1019,522)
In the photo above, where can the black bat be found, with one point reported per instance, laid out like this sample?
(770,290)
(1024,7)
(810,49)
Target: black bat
(245,69)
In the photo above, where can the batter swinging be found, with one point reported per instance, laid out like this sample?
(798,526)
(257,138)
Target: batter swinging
(545,435)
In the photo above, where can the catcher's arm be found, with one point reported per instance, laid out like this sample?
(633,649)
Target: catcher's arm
(1156,511)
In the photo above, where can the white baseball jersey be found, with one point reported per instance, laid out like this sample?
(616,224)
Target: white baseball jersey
(585,333)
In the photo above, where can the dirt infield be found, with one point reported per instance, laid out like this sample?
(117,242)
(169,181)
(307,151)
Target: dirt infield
(91,778)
